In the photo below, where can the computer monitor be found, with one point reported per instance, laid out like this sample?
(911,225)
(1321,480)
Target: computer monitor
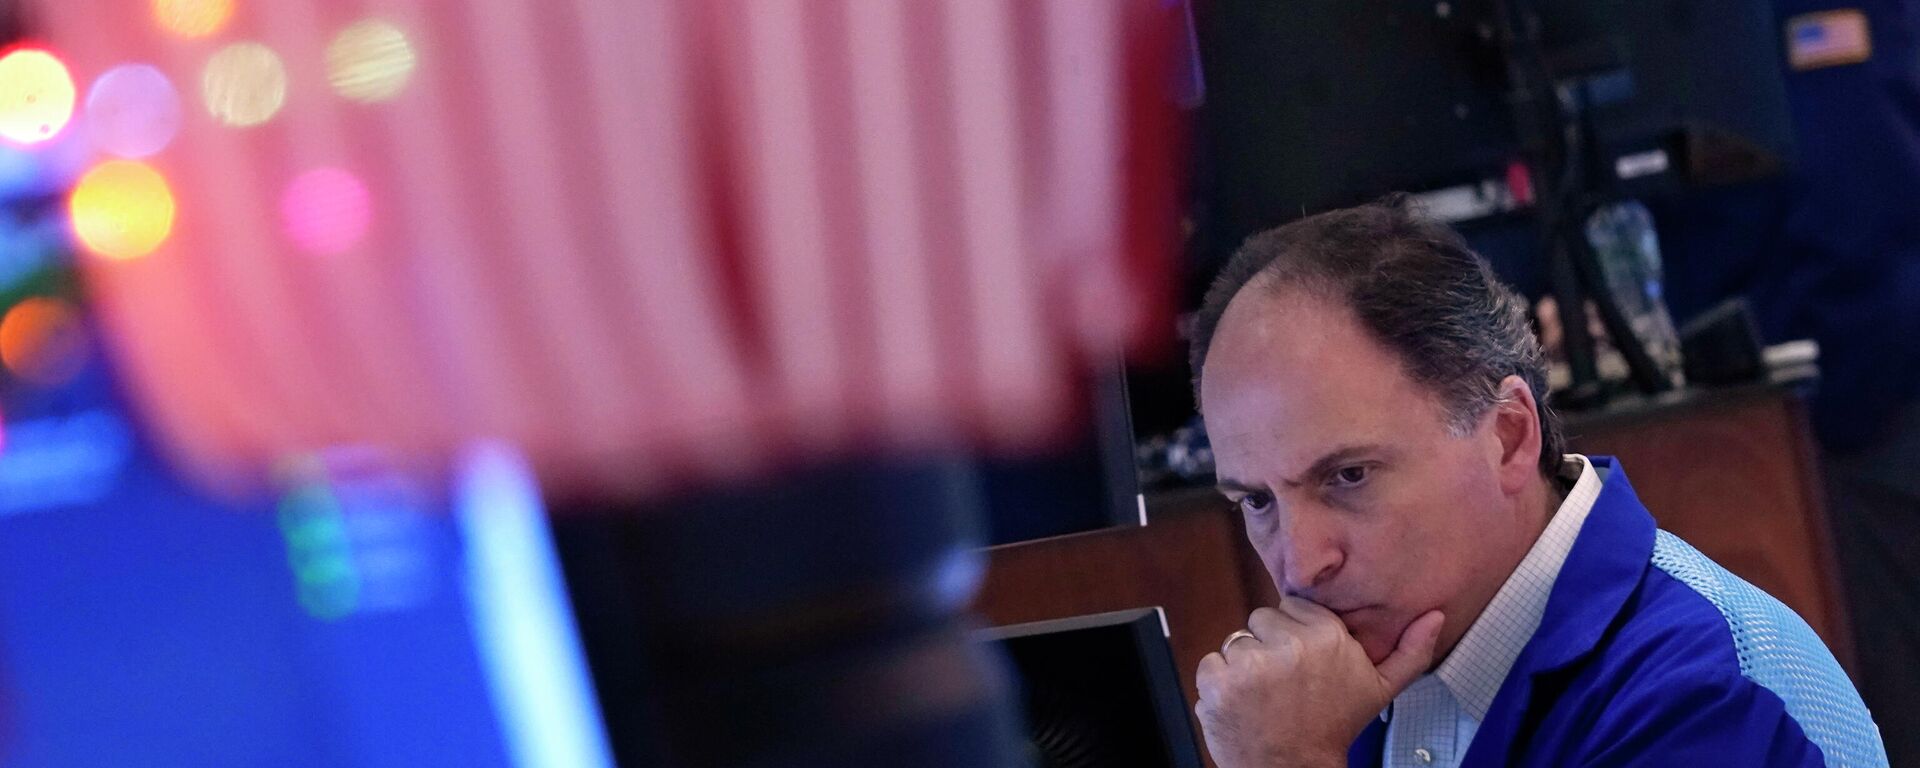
(364,615)
(1317,104)
(1089,483)
(378,620)
(1101,690)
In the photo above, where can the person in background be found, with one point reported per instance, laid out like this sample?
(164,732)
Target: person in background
(1457,590)
(1831,251)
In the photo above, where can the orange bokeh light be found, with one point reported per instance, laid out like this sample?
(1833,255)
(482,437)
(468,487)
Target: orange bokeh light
(36,95)
(192,18)
(43,341)
(122,209)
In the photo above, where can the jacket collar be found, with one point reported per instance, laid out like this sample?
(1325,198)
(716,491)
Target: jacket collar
(1601,573)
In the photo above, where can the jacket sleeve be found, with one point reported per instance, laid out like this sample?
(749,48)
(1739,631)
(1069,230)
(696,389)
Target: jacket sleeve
(1694,722)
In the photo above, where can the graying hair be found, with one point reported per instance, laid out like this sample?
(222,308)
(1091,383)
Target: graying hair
(1417,288)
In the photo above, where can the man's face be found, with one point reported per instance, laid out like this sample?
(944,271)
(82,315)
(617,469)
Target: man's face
(1356,494)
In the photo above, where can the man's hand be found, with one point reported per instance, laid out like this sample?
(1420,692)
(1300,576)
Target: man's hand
(1300,690)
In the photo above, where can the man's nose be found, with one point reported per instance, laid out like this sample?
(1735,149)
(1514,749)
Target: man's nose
(1314,552)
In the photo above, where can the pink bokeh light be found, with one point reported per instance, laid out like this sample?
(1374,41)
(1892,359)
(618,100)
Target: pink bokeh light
(133,110)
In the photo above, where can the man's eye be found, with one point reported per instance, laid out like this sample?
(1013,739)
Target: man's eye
(1348,477)
(1256,502)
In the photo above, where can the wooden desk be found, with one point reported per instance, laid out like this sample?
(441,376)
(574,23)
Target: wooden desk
(1731,471)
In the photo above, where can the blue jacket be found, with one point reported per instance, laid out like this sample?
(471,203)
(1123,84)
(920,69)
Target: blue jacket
(1649,654)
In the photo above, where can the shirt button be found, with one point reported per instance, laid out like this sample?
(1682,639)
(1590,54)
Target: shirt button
(1422,756)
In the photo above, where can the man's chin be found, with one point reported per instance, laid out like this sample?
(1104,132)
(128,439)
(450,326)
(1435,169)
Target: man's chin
(1376,637)
(1377,648)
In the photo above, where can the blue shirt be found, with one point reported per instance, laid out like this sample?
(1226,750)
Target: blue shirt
(1649,654)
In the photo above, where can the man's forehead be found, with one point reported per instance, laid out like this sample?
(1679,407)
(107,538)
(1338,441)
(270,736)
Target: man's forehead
(1290,347)
(1263,332)
(1293,450)
(1293,377)
(1261,310)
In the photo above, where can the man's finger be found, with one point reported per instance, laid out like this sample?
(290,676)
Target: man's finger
(1206,678)
(1414,655)
(1237,646)
(1269,624)
(1307,611)
(1313,619)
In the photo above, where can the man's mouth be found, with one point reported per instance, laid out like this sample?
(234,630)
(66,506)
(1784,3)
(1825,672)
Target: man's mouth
(1345,612)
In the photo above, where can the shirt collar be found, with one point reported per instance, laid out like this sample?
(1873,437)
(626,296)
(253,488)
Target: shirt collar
(1479,663)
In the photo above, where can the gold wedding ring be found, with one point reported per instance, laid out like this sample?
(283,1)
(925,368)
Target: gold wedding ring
(1237,635)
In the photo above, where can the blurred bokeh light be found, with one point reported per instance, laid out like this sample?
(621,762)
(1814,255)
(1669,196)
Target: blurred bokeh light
(244,84)
(369,61)
(192,18)
(133,111)
(122,209)
(36,95)
(43,341)
(325,211)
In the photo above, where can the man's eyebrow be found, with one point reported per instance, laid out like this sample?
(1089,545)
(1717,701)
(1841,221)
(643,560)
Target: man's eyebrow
(1225,484)
(1321,466)
(1337,457)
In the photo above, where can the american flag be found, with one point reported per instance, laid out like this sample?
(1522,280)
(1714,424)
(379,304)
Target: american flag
(650,242)
(1828,38)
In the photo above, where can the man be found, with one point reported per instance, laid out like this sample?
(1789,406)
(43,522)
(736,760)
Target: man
(1376,401)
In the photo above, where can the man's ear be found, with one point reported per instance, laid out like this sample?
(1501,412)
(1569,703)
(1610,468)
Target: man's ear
(1516,427)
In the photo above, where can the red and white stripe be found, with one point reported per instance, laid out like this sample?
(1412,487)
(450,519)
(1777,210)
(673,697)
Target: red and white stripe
(657,242)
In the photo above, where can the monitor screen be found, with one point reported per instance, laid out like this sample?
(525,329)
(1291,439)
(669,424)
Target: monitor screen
(1101,690)
(1317,104)
(355,615)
